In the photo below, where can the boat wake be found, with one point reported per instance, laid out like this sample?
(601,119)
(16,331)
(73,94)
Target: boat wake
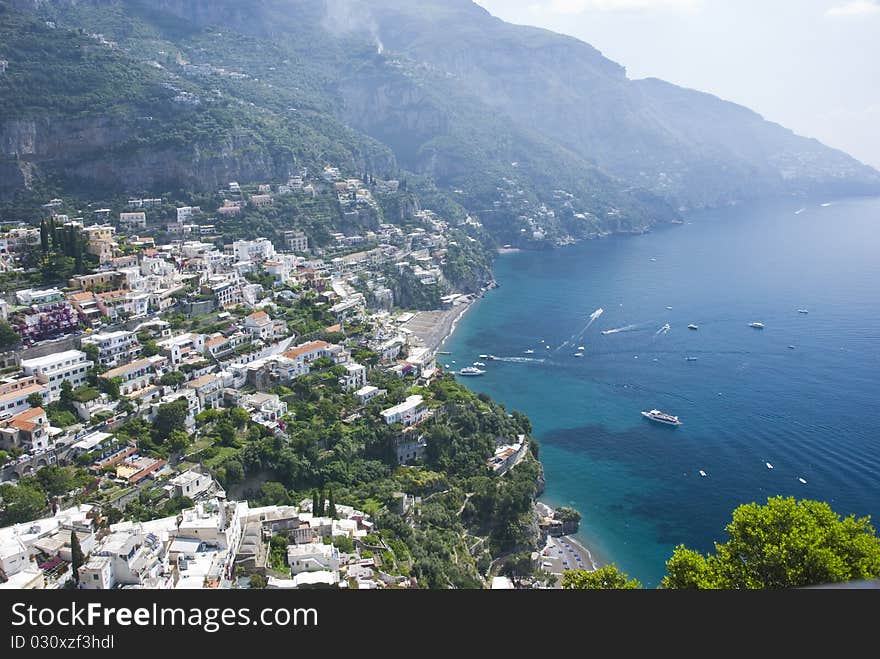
(520,360)
(800,211)
(579,335)
(663,330)
(618,330)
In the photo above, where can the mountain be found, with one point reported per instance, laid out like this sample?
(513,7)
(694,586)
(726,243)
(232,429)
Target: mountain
(536,133)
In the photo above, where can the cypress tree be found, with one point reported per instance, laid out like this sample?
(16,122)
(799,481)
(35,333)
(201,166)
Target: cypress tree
(331,505)
(77,558)
(44,237)
(316,503)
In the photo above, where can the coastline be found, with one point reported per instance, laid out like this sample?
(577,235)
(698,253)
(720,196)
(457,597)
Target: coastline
(434,328)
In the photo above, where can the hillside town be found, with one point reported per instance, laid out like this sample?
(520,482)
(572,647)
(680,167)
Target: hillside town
(139,380)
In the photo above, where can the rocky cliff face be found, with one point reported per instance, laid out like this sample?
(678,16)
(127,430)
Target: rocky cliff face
(98,152)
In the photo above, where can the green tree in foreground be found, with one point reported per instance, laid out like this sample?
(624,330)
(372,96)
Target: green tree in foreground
(8,336)
(784,544)
(77,557)
(331,505)
(605,578)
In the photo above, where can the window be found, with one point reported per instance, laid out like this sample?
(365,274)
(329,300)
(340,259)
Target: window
(94,577)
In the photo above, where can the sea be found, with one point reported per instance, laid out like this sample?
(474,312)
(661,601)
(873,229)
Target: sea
(792,409)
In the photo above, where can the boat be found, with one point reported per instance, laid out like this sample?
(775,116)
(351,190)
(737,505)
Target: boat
(529,352)
(769,466)
(479,364)
(757,325)
(791,347)
(581,348)
(443,352)
(693,327)
(803,311)
(668,308)
(802,481)
(662,417)
(691,359)
(484,356)
(703,473)
(490,358)
(471,371)
(578,354)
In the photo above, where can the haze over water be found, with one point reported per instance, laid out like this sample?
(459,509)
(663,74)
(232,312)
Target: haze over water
(812,411)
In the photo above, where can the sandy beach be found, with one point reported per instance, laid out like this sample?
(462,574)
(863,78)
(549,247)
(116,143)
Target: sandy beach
(434,327)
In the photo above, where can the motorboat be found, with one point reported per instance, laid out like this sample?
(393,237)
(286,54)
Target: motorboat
(693,327)
(757,325)
(662,417)
(471,371)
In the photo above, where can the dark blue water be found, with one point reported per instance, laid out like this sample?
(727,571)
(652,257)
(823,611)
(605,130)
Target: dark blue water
(813,411)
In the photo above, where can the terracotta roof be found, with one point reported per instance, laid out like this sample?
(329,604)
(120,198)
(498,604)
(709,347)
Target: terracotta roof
(306,348)
(23,392)
(199,382)
(127,368)
(259,315)
(81,297)
(112,294)
(334,328)
(216,341)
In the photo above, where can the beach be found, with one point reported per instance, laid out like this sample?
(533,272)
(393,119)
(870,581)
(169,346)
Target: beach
(435,327)
(562,553)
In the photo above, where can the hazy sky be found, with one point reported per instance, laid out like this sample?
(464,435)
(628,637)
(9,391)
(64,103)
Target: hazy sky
(811,65)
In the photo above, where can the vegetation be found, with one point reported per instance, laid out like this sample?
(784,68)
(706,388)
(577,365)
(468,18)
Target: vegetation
(783,544)
(605,578)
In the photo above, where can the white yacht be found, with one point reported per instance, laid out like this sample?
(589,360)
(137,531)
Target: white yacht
(703,473)
(662,417)
(479,364)
(693,327)
(471,371)
(757,325)
(803,311)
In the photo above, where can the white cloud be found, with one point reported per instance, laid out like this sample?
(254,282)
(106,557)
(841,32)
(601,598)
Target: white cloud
(855,8)
(580,6)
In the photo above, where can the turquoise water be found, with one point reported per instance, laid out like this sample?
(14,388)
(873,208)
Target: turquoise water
(812,411)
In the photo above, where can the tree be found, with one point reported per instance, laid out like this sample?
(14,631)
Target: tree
(65,396)
(35,400)
(239,417)
(605,578)
(177,441)
(171,417)
(111,386)
(274,494)
(77,557)
(317,505)
(783,544)
(21,503)
(44,237)
(172,379)
(331,505)
(257,581)
(323,507)
(92,352)
(8,336)
(150,348)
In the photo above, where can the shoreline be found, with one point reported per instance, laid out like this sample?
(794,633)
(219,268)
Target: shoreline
(450,330)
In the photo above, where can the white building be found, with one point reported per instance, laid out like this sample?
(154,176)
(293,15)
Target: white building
(296,241)
(133,220)
(409,412)
(182,347)
(368,393)
(423,360)
(190,484)
(15,392)
(248,250)
(355,377)
(186,213)
(114,347)
(260,326)
(70,365)
(312,557)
